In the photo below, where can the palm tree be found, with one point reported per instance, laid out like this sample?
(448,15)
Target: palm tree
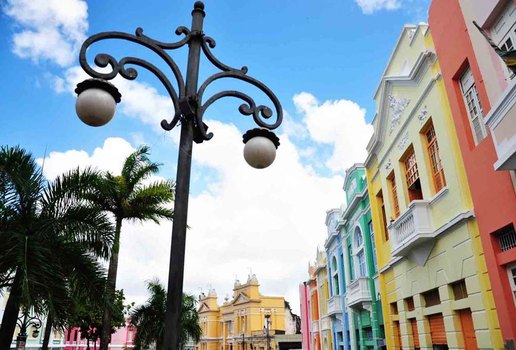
(129,197)
(42,225)
(149,319)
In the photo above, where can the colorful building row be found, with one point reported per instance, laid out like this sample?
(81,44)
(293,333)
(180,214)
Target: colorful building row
(424,254)
(340,304)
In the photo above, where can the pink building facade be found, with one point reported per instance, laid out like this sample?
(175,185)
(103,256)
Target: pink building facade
(304,297)
(123,338)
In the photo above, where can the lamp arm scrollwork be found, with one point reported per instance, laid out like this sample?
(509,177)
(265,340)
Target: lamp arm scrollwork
(260,113)
(120,67)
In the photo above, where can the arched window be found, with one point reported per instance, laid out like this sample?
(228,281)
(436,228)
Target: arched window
(359,253)
(335,276)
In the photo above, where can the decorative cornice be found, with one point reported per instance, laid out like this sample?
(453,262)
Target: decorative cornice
(351,170)
(409,118)
(425,59)
(354,203)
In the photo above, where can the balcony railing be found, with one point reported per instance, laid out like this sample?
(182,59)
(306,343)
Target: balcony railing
(411,229)
(334,305)
(358,292)
(507,238)
(325,324)
(315,326)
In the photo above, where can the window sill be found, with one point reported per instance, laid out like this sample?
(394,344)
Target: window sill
(439,195)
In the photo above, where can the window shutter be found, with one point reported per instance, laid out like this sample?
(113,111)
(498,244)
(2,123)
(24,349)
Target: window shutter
(437,330)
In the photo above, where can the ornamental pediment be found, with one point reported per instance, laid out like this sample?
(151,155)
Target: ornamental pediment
(204,308)
(240,299)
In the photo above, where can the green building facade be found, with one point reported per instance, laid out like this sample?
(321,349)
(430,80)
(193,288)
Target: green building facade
(361,272)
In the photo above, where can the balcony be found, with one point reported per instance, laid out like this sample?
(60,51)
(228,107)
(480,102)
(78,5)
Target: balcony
(501,120)
(412,233)
(315,326)
(358,292)
(325,324)
(334,305)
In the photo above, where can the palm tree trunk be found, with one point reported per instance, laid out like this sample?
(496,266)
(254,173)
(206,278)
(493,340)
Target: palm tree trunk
(12,309)
(48,330)
(110,287)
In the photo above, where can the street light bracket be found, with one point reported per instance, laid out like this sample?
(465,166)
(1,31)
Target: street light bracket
(177,91)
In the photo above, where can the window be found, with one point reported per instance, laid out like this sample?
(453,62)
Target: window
(335,276)
(361,264)
(473,106)
(359,253)
(351,265)
(409,303)
(373,247)
(503,31)
(459,290)
(379,198)
(511,271)
(435,160)
(506,238)
(432,297)
(412,176)
(394,308)
(394,195)
(415,333)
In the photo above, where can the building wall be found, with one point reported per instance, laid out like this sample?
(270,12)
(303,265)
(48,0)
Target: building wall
(459,45)
(238,324)
(363,316)
(336,279)
(304,301)
(323,292)
(422,253)
(121,339)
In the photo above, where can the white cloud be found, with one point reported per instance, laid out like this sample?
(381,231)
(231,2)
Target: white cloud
(340,123)
(268,221)
(370,6)
(50,29)
(109,157)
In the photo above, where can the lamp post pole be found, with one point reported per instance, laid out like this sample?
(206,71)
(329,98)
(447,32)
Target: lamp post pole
(267,325)
(243,341)
(184,166)
(96,105)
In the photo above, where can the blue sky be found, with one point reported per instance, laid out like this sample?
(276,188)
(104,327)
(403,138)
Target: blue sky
(323,59)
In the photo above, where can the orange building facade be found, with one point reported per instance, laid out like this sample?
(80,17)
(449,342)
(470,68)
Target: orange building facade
(480,88)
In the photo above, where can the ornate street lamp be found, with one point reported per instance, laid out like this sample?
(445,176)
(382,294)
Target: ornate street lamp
(24,322)
(97,100)
(266,329)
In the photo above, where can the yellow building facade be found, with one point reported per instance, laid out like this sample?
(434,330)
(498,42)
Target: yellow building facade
(435,291)
(247,321)
(323,295)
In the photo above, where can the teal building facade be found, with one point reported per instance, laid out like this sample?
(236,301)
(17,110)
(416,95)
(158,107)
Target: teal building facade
(362,299)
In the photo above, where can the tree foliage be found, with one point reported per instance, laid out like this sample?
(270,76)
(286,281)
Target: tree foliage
(130,196)
(149,319)
(50,236)
(88,311)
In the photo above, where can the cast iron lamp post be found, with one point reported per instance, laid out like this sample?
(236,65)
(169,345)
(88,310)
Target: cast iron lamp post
(266,329)
(96,103)
(24,322)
